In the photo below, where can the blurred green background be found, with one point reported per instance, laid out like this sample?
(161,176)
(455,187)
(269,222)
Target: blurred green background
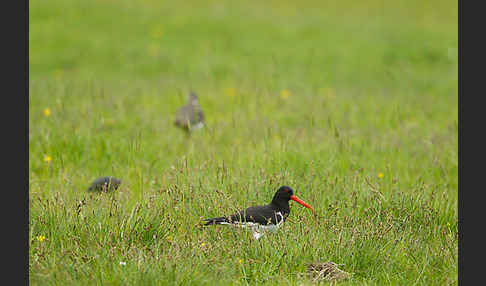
(403,45)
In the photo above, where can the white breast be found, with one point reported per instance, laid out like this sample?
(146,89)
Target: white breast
(197,126)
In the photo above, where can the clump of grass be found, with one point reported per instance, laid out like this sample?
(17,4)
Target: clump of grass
(326,271)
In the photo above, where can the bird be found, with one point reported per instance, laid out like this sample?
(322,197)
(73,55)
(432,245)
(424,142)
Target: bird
(261,219)
(190,116)
(104,184)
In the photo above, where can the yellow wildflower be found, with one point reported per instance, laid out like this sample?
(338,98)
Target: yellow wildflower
(203,244)
(41,238)
(380,175)
(47,158)
(230,91)
(240,261)
(47,112)
(285,93)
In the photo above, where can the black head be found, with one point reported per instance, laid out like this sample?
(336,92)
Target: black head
(284,194)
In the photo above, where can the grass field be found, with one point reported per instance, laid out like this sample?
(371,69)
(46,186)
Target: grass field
(352,104)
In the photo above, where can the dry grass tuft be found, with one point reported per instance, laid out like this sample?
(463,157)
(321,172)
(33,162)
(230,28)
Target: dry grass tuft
(326,271)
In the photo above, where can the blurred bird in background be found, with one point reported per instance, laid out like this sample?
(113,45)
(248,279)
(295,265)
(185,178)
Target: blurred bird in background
(105,184)
(190,117)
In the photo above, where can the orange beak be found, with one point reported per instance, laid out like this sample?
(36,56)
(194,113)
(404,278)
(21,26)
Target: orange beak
(295,198)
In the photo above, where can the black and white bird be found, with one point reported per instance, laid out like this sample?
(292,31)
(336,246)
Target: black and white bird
(104,184)
(190,117)
(260,219)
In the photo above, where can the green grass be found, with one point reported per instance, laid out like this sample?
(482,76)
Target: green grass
(373,89)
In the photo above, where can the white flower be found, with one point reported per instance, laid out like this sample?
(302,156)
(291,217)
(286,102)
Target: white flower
(123,263)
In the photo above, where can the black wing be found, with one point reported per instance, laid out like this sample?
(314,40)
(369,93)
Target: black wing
(260,214)
(105,184)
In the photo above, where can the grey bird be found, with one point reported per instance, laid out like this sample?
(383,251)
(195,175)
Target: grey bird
(190,116)
(104,184)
